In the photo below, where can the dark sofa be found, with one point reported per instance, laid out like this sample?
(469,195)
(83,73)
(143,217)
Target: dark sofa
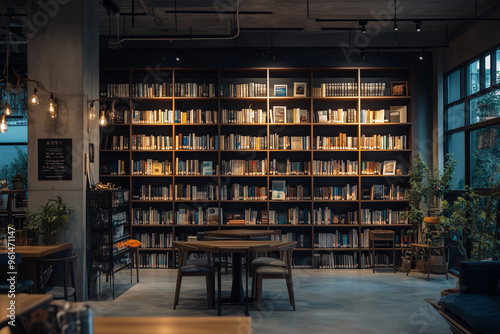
(476,308)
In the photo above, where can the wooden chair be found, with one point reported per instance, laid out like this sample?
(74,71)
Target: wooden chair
(270,271)
(20,284)
(382,235)
(193,269)
(49,266)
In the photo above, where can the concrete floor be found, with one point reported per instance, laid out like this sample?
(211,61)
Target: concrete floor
(327,301)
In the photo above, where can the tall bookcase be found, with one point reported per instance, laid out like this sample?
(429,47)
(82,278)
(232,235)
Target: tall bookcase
(201,149)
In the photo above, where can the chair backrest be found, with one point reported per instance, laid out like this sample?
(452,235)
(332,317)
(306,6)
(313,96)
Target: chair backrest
(50,264)
(184,250)
(286,250)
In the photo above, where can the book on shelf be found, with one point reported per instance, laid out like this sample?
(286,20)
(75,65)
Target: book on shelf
(213,215)
(279,114)
(398,114)
(207,168)
(278,190)
(236,222)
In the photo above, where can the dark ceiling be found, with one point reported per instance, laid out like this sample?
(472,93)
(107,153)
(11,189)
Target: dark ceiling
(264,24)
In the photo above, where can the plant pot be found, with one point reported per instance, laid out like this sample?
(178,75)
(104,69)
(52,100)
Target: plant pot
(49,239)
(18,184)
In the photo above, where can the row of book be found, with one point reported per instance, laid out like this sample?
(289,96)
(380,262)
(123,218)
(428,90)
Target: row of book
(383,142)
(293,216)
(114,90)
(289,167)
(243,167)
(151,216)
(395,114)
(336,116)
(192,141)
(117,168)
(337,239)
(383,217)
(401,239)
(115,143)
(280,142)
(193,89)
(188,192)
(244,116)
(251,89)
(199,216)
(373,88)
(154,239)
(156,116)
(303,240)
(345,193)
(151,167)
(196,116)
(242,142)
(341,142)
(393,192)
(282,114)
(237,192)
(148,192)
(329,89)
(331,260)
(155,260)
(335,167)
(195,167)
(326,216)
(163,89)
(142,142)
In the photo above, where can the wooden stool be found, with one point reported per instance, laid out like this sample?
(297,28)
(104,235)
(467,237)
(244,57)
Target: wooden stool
(382,235)
(429,248)
(133,247)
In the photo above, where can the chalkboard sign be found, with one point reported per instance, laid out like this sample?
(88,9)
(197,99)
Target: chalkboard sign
(54,159)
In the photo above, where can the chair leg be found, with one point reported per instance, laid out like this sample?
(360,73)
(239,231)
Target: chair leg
(289,285)
(259,290)
(209,289)
(177,289)
(137,263)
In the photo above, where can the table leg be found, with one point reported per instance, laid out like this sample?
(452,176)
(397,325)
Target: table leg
(237,293)
(219,297)
(247,258)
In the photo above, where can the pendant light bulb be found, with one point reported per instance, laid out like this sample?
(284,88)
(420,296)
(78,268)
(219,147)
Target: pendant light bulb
(102,120)
(52,107)
(92,111)
(34,98)
(7,110)
(3,125)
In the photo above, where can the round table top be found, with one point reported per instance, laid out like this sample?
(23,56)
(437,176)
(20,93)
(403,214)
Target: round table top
(237,246)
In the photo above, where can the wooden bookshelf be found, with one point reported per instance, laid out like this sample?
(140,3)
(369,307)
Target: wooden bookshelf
(246,103)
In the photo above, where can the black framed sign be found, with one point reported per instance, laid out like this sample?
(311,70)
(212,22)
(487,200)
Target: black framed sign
(54,159)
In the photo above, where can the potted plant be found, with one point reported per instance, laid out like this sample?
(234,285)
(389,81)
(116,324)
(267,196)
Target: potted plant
(18,181)
(50,219)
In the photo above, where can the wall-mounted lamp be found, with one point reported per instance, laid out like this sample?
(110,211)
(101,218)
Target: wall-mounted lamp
(7,110)
(52,107)
(3,125)
(92,111)
(34,98)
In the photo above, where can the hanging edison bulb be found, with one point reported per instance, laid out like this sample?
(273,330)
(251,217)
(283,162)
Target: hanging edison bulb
(92,111)
(112,112)
(3,125)
(7,110)
(52,107)
(34,98)
(102,120)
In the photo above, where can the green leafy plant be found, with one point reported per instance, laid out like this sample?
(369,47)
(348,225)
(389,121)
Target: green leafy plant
(51,218)
(473,217)
(19,177)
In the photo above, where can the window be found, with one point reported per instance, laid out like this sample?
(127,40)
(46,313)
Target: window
(455,146)
(497,72)
(455,117)
(485,156)
(485,107)
(473,77)
(487,71)
(454,86)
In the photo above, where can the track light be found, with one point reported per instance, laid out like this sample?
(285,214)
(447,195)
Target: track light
(7,110)
(34,98)
(363,26)
(3,125)
(92,111)
(421,57)
(418,25)
(177,56)
(102,120)
(395,27)
(52,107)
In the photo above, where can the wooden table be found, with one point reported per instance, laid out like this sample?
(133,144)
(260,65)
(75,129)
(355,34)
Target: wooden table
(240,233)
(429,249)
(172,325)
(30,255)
(234,247)
(24,304)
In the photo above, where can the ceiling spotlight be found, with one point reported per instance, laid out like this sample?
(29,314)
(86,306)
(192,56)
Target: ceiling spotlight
(362,54)
(363,26)
(177,56)
(418,25)
(395,27)
(421,57)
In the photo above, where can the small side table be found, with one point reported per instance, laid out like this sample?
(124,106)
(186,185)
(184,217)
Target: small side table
(382,235)
(429,249)
(133,247)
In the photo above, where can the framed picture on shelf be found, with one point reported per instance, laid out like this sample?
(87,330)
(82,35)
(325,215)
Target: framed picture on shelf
(279,113)
(399,88)
(278,190)
(389,167)
(299,89)
(280,90)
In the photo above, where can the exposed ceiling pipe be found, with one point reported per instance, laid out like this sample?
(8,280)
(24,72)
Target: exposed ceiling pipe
(189,38)
(149,13)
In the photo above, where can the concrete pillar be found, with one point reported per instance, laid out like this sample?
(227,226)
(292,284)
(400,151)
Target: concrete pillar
(63,54)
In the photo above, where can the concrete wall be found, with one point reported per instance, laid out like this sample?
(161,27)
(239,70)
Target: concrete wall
(63,55)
